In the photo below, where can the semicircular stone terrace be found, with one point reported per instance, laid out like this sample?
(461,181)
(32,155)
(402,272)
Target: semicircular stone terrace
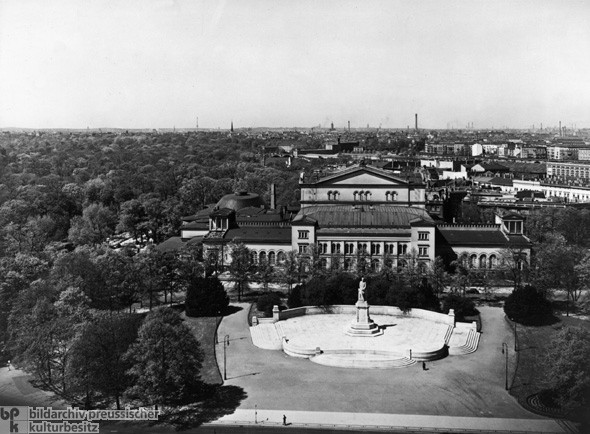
(311,332)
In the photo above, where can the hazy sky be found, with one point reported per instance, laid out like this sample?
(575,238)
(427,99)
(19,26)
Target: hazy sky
(163,63)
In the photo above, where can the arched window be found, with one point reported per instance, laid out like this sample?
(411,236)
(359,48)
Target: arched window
(347,263)
(393,196)
(262,257)
(323,263)
(355,194)
(335,247)
(254,257)
(492,261)
(464,259)
(472,261)
(336,194)
(271,258)
(361,195)
(483,261)
(367,195)
(348,248)
(375,266)
(281,257)
(387,194)
(330,195)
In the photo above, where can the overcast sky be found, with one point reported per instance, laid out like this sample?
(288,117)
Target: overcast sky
(274,63)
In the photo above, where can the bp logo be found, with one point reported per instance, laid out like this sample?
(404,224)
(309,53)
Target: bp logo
(13,420)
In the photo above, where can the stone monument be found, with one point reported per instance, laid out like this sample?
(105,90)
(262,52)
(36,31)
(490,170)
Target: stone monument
(363,325)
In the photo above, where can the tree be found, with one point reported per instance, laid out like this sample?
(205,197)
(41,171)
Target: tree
(97,364)
(240,267)
(582,270)
(266,303)
(527,305)
(205,296)
(462,306)
(265,273)
(554,266)
(437,275)
(132,218)
(513,264)
(568,370)
(166,361)
(95,226)
(289,270)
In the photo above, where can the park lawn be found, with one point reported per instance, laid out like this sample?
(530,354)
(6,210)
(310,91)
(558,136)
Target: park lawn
(204,329)
(533,342)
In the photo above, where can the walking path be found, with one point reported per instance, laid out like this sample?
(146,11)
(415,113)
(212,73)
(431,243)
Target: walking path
(392,422)
(15,389)
(468,391)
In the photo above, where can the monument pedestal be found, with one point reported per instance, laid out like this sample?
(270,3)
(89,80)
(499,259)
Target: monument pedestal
(363,325)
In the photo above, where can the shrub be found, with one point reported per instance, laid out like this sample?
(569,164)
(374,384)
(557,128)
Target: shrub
(568,371)
(205,296)
(527,306)
(266,302)
(463,306)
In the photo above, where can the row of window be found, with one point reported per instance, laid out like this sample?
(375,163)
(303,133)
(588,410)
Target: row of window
(304,235)
(362,248)
(483,261)
(375,265)
(272,257)
(362,195)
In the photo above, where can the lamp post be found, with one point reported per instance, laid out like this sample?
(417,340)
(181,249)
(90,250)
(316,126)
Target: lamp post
(505,351)
(225,344)
(217,313)
(515,337)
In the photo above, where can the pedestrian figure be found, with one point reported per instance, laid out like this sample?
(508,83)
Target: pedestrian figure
(424,366)
(284,420)
(9,365)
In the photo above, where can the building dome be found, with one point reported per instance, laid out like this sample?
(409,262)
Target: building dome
(241,199)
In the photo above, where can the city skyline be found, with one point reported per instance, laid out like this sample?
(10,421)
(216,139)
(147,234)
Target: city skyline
(163,64)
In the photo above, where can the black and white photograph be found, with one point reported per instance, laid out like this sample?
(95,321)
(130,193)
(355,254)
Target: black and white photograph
(297,216)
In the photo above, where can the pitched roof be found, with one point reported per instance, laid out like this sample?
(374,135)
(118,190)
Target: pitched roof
(260,234)
(481,235)
(350,172)
(346,216)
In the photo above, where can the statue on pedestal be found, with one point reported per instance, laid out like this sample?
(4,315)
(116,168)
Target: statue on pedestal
(362,287)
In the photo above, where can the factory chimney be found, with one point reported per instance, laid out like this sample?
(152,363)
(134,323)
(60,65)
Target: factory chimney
(349,126)
(559,128)
(416,117)
(273,196)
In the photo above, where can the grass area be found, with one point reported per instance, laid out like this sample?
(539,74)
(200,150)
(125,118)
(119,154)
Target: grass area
(204,330)
(533,342)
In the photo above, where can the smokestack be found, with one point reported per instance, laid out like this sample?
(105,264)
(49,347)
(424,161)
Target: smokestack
(273,197)
(416,117)
(349,126)
(559,128)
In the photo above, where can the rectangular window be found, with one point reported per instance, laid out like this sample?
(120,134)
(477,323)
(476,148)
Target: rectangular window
(303,235)
(423,236)
(422,251)
(302,248)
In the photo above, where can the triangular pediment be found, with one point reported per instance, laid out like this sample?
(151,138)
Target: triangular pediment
(361,176)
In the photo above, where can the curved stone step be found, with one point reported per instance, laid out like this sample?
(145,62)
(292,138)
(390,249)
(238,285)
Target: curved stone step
(367,361)
(470,345)
(265,336)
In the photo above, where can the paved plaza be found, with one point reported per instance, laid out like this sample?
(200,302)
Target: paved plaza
(327,332)
(467,386)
